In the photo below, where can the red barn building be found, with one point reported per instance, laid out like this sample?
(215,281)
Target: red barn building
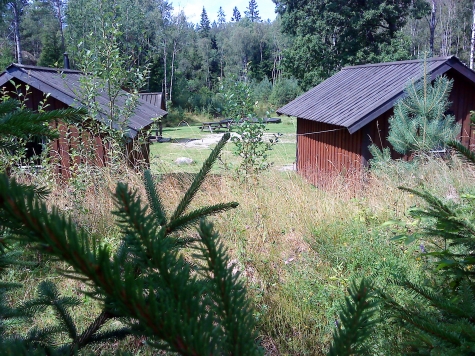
(64,89)
(338,119)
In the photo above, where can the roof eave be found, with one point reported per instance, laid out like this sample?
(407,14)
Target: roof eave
(44,87)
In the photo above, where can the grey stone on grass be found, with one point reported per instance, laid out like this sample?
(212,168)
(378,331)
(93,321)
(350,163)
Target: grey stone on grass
(183,160)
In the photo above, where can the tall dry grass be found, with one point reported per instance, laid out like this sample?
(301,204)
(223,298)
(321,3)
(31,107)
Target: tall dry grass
(298,246)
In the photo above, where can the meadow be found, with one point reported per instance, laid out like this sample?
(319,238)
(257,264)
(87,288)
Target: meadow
(297,246)
(188,140)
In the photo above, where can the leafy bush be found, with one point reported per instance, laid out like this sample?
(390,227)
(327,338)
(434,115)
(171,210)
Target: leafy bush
(263,90)
(201,100)
(284,91)
(250,146)
(237,99)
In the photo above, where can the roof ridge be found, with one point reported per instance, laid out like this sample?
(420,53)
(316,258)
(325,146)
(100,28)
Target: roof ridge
(432,59)
(46,69)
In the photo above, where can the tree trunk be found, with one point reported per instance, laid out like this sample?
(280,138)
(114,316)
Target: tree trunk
(172,68)
(432,24)
(58,4)
(472,42)
(16,29)
(165,67)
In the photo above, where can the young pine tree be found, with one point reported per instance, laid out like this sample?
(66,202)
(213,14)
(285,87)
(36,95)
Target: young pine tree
(420,122)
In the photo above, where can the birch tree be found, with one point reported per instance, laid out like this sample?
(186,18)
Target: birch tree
(17,7)
(432,25)
(472,42)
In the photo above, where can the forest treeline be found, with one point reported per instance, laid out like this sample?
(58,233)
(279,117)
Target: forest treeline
(307,42)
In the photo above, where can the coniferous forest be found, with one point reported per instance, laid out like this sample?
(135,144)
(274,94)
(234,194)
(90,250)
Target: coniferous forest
(306,43)
(205,239)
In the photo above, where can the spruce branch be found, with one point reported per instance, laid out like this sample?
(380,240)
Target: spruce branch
(196,184)
(184,221)
(356,320)
(154,199)
(463,151)
(147,282)
(231,305)
(26,123)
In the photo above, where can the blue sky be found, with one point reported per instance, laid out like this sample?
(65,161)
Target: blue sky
(193,8)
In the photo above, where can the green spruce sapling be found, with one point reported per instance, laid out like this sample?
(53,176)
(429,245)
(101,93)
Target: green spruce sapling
(440,319)
(198,310)
(421,123)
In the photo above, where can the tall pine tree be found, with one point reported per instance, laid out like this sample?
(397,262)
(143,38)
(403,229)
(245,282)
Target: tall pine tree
(251,11)
(236,15)
(221,16)
(204,24)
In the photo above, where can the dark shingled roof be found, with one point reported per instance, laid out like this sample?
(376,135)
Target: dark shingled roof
(357,95)
(64,85)
(156,99)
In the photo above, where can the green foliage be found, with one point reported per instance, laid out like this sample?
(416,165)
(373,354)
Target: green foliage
(251,12)
(439,317)
(52,52)
(109,71)
(263,90)
(204,24)
(237,100)
(19,125)
(236,15)
(381,157)
(328,35)
(420,122)
(198,310)
(356,321)
(40,33)
(250,146)
(284,91)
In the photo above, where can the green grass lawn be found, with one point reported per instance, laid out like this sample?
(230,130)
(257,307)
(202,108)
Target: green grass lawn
(189,141)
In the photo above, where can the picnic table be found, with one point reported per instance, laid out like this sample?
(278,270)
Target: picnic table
(227,123)
(217,125)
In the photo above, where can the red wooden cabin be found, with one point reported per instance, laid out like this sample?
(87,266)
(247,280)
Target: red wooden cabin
(338,119)
(64,89)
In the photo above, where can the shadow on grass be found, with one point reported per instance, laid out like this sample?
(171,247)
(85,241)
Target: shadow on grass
(183,140)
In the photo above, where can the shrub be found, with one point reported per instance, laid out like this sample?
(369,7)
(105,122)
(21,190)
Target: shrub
(263,90)
(237,99)
(251,147)
(284,91)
